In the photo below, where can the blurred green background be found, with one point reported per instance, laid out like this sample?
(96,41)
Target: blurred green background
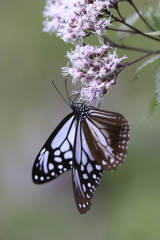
(126,204)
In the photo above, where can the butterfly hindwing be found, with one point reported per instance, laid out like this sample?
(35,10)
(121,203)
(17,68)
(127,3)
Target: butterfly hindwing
(56,156)
(107,136)
(86,172)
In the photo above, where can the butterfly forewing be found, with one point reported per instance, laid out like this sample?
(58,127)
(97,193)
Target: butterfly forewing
(56,156)
(107,136)
(86,172)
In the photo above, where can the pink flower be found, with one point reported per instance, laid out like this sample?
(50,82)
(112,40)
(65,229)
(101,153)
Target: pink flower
(73,19)
(96,71)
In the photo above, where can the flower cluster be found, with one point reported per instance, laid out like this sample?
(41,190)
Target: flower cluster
(95,67)
(75,19)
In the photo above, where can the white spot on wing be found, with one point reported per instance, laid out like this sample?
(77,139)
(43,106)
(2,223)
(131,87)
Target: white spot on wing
(60,166)
(58,159)
(104,163)
(98,167)
(82,167)
(41,178)
(89,168)
(50,166)
(68,154)
(112,160)
(85,176)
(57,153)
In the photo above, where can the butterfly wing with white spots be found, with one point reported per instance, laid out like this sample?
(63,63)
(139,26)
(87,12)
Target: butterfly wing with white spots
(107,136)
(88,140)
(86,172)
(56,155)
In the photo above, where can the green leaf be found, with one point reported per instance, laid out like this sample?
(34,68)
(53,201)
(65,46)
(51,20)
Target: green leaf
(151,19)
(153,106)
(157,14)
(146,64)
(130,20)
(157,83)
(151,110)
(153,33)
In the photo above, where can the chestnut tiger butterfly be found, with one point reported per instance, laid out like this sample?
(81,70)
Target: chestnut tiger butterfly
(88,140)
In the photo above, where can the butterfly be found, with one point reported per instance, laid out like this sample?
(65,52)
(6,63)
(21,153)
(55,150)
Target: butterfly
(88,140)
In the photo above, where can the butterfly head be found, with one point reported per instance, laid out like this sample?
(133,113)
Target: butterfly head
(80,110)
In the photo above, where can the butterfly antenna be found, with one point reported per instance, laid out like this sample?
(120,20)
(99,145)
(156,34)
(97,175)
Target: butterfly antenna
(60,93)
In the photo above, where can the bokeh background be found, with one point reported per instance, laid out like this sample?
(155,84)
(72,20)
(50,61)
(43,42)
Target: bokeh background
(126,204)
